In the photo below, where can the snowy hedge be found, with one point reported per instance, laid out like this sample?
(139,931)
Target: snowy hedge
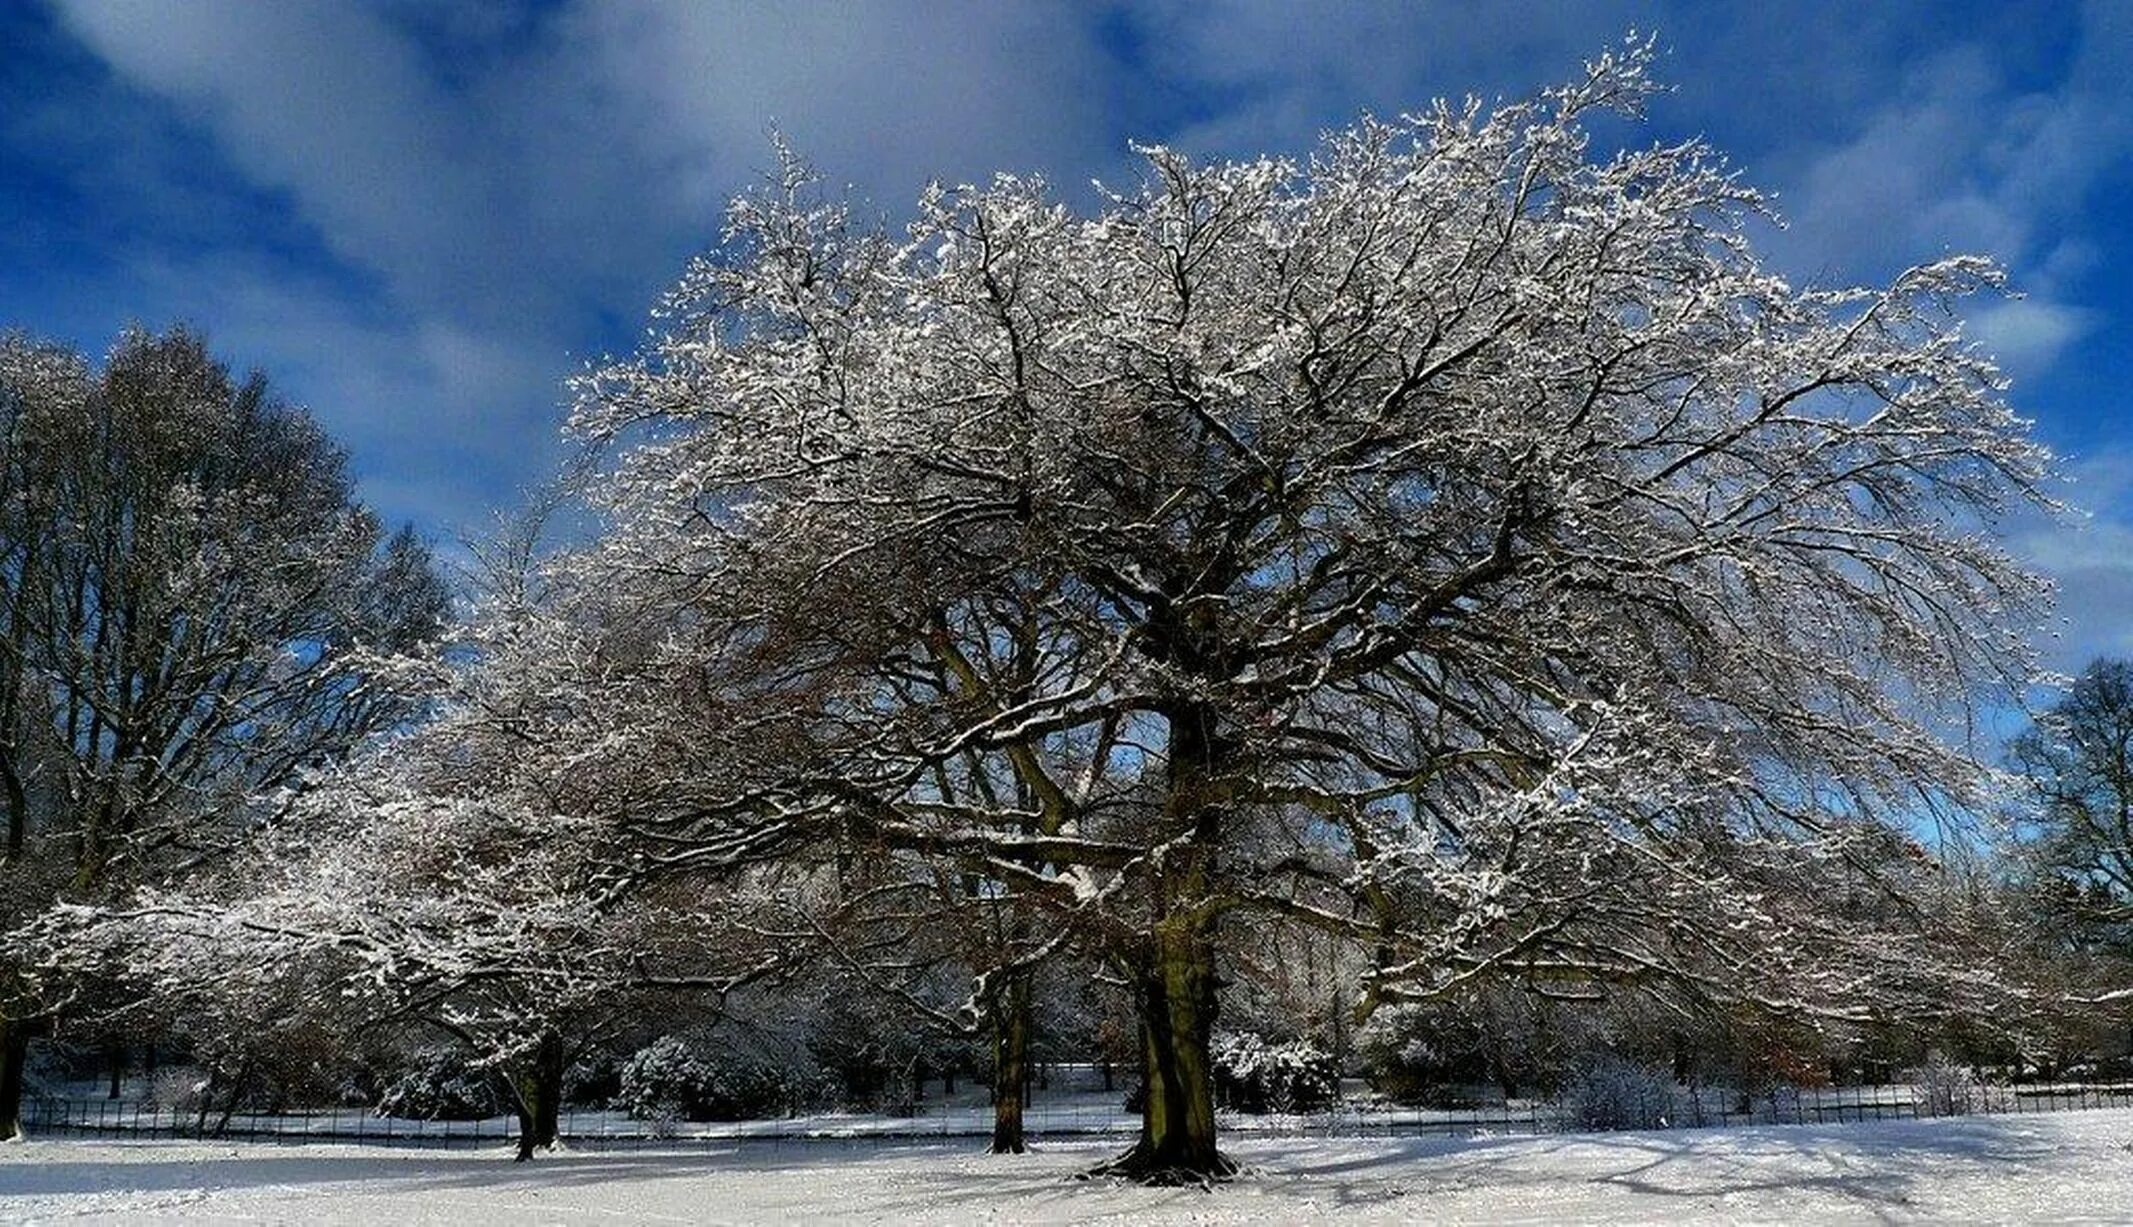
(1253,1075)
(669,1079)
(1609,1092)
(441,1087)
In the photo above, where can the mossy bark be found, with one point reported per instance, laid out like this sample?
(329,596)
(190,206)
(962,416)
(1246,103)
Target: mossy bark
(1174,973)
(1177,1143)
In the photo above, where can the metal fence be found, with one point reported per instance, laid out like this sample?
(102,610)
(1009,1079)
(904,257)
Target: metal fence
(52,1115)
(1064,1114)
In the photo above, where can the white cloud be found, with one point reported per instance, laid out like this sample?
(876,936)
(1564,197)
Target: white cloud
(512,191)
(325,102)
(886,96)
(1963,159)
(2027,334)
(1909,185)
(441,423)
(2089,553)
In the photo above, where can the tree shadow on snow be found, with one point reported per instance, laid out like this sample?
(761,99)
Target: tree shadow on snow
(1875,1171)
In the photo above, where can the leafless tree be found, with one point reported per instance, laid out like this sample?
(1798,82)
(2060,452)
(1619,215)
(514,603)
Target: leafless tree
(190,590)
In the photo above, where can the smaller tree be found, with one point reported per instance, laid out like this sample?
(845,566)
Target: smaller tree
(2078,762)
(190,598)
(2074,860)
(461,877)
(487,924)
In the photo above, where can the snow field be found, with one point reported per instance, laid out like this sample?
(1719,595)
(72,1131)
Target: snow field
(2072,1167)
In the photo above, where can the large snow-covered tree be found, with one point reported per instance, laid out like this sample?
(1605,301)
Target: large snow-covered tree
(189,590)
(1458,541)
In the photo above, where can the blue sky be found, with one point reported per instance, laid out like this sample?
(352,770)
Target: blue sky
(417,217)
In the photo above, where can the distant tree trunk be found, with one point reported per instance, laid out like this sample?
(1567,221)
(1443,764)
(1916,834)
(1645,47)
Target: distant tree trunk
(540,1097)
(238,1086)
(14,1034)
(948,1079)
(14,1060)
(1337,1024)
(115,1052)
(1010,1064)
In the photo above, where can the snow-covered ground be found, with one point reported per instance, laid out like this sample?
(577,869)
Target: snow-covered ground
(2064,1167)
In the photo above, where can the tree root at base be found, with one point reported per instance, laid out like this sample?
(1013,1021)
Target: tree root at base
(1141,1166)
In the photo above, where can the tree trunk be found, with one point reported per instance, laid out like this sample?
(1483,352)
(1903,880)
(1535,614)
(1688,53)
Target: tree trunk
(1175,972)
(1010,1065)
(540,1097)
(14,1060)
(1177,1000)
(238,1087)
(115,1052)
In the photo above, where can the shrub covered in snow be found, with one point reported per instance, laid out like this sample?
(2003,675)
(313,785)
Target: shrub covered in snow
(1252,1075)
(593,1082)
(177,1088)
(1401,1054)
(865,1056)
(670,1079)
(1947,1089)
(664,1079)
(442,1087)
(1459,1052)
(1607,1092)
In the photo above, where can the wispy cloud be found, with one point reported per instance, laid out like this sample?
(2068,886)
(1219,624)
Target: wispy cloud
(2028,334)
(498,213)
(419,217)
